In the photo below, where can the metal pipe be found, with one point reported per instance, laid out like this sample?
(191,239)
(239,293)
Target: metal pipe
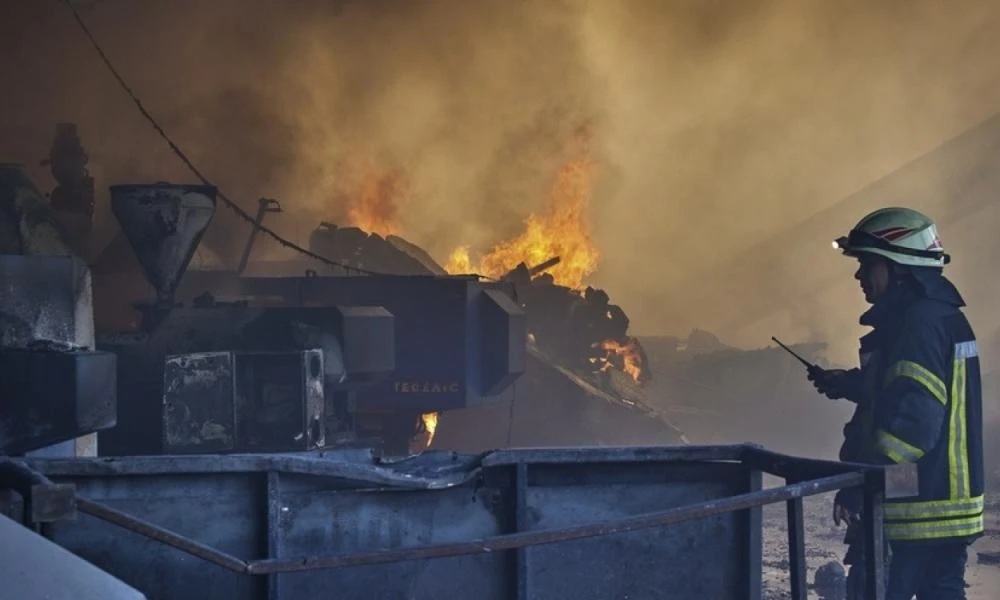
(264,206)
(796,549)
(17,476)
(872,518)
(535,538)
(155,532)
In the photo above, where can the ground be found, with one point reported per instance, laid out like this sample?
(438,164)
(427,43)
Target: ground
(823,544)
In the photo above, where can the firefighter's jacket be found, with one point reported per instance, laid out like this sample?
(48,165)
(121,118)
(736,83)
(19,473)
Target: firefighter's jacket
(918,398)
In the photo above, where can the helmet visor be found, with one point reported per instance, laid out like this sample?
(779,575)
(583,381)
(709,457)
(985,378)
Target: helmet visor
(857,240)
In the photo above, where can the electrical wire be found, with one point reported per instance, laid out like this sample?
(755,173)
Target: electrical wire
(187,162)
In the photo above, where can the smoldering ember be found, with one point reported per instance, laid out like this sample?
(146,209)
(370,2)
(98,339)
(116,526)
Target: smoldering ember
(428,298)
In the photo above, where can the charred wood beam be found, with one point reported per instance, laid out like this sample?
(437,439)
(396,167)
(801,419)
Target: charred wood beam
(542,267)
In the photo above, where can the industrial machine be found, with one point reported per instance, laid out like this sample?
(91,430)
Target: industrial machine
(207,378)
(459,342)
(236,364)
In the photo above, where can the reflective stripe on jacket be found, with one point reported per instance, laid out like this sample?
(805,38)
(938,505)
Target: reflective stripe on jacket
(921,402)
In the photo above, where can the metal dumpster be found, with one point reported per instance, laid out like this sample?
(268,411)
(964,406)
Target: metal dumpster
(580,523)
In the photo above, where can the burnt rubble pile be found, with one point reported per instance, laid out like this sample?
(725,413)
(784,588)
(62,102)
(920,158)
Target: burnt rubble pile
(359,249)
(581,331)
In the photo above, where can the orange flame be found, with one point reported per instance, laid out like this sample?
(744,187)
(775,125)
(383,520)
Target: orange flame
(459,261)
(629,354)
(430,421)
(374,197)
(563,231)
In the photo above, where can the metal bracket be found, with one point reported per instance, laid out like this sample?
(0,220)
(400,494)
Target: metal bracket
(264,206)
(53,502)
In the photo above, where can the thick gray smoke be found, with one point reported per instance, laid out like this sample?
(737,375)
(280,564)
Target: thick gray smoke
(717,124)
(470,100)
(734,126)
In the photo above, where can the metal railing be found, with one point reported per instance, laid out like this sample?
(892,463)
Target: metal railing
(804,478)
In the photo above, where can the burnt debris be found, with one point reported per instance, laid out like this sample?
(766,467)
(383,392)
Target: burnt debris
(579,329)
(368,251)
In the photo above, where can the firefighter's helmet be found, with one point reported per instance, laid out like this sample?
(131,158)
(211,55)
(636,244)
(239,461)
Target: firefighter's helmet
(902,235)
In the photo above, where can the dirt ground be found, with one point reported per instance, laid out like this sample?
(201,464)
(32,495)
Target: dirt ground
(823,544)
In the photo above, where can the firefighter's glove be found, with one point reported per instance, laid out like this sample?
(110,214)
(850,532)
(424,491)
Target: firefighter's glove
(833,383)
(847,506)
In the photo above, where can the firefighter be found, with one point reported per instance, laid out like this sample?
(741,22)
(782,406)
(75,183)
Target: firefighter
(918,399)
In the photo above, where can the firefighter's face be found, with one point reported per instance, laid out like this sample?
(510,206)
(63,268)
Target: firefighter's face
(873,274)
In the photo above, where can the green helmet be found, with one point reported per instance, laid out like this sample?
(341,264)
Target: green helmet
(902,235)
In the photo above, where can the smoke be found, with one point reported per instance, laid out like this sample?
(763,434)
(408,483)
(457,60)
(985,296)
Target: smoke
(738,125)
(472,100)
(718,124)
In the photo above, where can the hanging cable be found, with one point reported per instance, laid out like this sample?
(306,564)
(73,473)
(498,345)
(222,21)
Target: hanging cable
(187,162)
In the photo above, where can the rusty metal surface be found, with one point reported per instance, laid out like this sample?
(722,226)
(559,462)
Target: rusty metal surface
(243,402)
(199,406)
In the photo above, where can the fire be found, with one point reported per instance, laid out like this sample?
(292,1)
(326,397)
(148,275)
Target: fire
(460,261)
(563,231)
(373,198)
(430,421)
(629,354)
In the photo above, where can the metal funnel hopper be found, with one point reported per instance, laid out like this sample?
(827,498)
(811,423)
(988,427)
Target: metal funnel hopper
(163,223)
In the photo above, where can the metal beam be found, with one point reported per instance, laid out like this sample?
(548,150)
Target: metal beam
(501,542)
